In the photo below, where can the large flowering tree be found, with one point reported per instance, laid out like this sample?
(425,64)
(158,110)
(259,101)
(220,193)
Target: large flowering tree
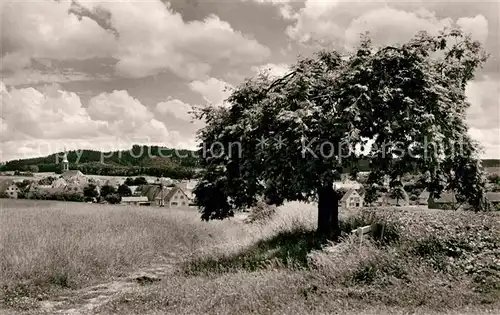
(403,107)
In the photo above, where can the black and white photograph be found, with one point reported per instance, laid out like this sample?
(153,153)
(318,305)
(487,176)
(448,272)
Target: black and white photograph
(249,157)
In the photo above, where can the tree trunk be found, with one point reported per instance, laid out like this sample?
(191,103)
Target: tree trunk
(328,212)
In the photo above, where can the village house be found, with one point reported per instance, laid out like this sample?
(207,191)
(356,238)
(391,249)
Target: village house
(136,201)
(187,185)
(134,190)
(351,199)
(165,181)
(494,199)
(75,177)
(170,197)
(9,189)
(423,198)
(447,201)
(59,183)
(347,184)
(36,189)
(177,198)
(151,192)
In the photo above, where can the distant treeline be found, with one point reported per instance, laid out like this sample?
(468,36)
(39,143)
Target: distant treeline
(139,160)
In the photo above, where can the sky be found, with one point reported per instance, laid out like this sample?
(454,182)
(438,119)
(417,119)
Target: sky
(108,74)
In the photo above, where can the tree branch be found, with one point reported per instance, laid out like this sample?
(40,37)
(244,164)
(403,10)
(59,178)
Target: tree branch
(280,81)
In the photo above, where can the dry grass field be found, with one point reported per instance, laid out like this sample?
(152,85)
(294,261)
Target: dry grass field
(421,262)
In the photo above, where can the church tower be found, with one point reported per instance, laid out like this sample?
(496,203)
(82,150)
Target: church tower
(65,163)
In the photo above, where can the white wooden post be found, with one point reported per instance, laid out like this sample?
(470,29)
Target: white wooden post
(361,232)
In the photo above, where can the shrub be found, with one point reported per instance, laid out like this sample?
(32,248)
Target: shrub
(113,198)
(261,212)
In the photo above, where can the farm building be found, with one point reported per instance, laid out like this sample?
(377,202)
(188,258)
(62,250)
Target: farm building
(59,183)
(351,199)
(177,198)
(74,176)
(136,201)
(166,196)
(150,191)
(347,184)
(494,199)
(134,190)
(423,198)
(446,201)
(187,185)
(9,189)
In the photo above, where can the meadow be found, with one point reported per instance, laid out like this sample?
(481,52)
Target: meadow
(419,262)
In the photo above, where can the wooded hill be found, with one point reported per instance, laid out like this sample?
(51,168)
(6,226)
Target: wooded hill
(139,160)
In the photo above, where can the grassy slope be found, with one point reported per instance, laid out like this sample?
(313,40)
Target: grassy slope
(232,268)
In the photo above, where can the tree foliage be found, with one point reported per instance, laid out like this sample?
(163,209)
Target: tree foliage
(107,190)
(409,99)
(398,193)
(113,198)
(90,191)
(371,194)
(124,191)
(136,181)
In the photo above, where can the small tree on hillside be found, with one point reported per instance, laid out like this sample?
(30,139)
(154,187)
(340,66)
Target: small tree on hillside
(298,132)
(398,193)
(371,194)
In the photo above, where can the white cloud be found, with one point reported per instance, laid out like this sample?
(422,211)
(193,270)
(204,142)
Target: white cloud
(276,70)
(52,113)
(490,141)
(44,29)
(175,107)
(152,38)
(213,90)
(389,26)
(484,114)
(30,76)
(340,23)
(484,97)
(37,122)
(477,26)
(122,112)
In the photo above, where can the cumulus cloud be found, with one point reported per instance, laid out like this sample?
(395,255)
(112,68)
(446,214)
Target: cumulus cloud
(276,70)
(36,121)
(214,91)
(144,37)
(122,112)
(489,140)
(32,76)
(176,108)
(476,26)
(340,23)
(484,114)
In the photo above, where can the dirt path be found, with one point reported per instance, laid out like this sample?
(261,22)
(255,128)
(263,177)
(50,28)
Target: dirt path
(85,301)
